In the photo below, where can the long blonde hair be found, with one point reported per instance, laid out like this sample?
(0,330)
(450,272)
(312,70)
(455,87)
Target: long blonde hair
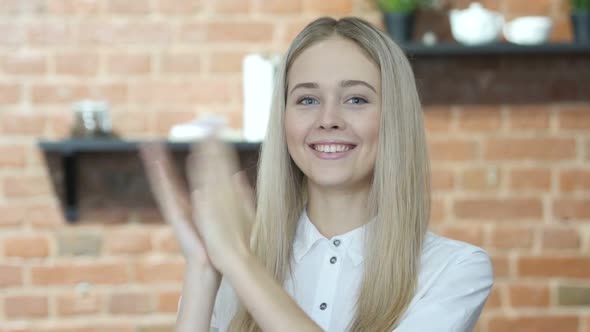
(400,192)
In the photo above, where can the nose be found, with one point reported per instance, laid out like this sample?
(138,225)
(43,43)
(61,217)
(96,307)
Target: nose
(330,117)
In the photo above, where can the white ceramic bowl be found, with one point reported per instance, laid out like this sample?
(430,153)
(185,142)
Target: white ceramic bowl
(528,30)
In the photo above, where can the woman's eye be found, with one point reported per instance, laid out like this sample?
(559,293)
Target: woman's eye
(308,101)
(356,101)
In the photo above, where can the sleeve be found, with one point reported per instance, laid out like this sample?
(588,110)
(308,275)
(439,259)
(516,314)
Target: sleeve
(455,301)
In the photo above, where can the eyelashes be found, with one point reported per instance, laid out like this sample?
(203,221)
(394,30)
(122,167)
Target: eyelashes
(310,100)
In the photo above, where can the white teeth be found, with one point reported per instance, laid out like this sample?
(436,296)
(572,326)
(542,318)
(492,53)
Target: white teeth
(331,148)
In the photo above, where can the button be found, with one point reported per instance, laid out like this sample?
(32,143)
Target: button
(336,242)
(333,260)
(323,306)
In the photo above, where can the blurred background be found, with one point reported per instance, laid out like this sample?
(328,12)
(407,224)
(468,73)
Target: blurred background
(82,246)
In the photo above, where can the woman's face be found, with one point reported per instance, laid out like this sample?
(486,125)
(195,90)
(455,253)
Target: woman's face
(333,113)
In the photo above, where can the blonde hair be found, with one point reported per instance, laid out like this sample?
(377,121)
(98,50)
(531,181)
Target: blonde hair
(400,192)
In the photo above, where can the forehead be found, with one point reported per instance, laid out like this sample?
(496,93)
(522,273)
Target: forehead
(333,60)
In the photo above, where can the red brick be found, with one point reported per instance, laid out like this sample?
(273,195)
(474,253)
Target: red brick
(166,120)
(571,209)
(131,303)
(480,118)
(129,64)
(225,62)
(473,234)
(13,155)
(575,180)
(442,180)
(332,7)
(231,6)
(575,117)
(548,267)
(544,323)
(126,7)
(26,186)
(158,272)
(73,7)
(71,273)
(76,64)
(17,7)
(180,7)
(54,33)
(64,93)
(452,150)
(528,295)
(131,122)
(72,304)
(26,246)
(91,326)
(538,149)
(281,6)
(499,209)
(45,216)
(11,215)
(494,300)
(509,237)
(26,306)
(125,33)
(560,238)
(22,124)
(187,63)
(529,117)
(530,179)
(166,242)
(25,63)
(193,32)
(481,179)
(438,211)
(60,125)
(501,266)
(192,92)
(240,32)
(10,275)
(13,34)
(168,301)
(128,241)
(437,118)
(10,93)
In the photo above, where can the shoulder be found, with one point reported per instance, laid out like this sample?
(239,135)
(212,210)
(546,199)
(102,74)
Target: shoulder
(446,260)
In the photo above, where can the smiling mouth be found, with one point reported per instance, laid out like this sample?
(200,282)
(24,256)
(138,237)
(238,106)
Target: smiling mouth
(332,148)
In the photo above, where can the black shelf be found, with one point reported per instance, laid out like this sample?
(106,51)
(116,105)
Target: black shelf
(454,49)
(70,150)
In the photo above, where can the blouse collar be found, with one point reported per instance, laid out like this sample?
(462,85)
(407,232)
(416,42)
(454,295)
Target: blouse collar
(307,235)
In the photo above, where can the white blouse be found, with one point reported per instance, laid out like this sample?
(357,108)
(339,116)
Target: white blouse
(454,282)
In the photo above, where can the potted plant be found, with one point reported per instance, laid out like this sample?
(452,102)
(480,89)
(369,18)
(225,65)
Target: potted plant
(399,17)
(581,20)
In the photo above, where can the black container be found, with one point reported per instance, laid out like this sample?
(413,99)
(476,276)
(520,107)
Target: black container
(581,25)
(400,26)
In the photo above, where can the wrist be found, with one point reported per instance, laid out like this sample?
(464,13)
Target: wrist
(236,260)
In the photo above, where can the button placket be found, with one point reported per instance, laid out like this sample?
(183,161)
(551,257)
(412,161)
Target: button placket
(327,285)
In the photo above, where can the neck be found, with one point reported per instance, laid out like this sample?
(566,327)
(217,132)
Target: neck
(337,211)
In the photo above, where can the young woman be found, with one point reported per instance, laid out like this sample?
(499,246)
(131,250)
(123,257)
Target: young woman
(337,239)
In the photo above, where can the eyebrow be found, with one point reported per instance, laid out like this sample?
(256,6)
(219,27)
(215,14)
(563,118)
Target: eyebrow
(344,84)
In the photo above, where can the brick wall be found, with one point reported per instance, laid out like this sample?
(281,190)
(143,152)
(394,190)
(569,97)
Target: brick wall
(514,179)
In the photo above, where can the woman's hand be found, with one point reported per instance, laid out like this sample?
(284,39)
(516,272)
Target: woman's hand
(224,201)
(174,203)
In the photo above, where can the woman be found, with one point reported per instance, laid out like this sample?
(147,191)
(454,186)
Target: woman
(340,238)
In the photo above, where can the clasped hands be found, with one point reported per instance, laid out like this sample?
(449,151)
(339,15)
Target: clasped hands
(212,222)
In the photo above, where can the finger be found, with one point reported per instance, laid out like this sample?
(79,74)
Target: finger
(163,188)
(246,193)
(217,164)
